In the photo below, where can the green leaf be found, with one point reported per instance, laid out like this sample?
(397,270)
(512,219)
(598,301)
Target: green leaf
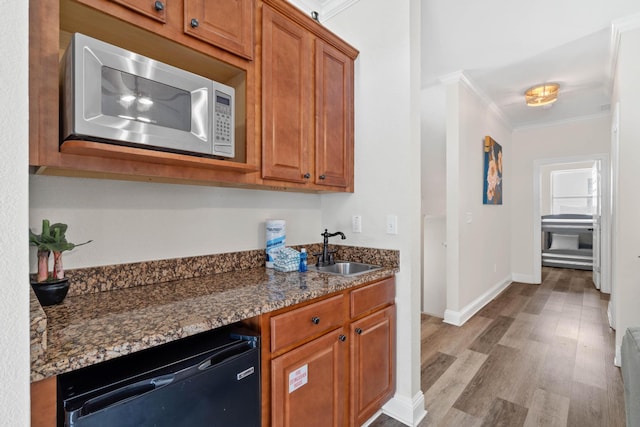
(59,229)
(53,238)
(45,228)
(34,239)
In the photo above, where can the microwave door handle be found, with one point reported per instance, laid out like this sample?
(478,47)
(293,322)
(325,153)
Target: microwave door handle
(126,392)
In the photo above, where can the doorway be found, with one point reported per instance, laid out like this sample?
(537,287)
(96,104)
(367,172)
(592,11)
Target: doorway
(602,220)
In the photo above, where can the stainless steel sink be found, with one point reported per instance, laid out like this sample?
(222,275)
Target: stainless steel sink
(345,268)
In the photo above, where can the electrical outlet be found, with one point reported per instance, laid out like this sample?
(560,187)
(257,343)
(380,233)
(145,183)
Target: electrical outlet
(356,224)
(469,217)
(392,224)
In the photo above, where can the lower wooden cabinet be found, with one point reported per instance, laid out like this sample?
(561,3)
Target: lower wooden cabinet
(372,347)
(308,386)
(43,403)
(336,378)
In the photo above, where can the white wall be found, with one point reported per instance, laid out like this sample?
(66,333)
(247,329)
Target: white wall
(478,255)
(433,150)
(626,264)
(574,139)
(434,199)
(139,221)
(434,274)
(14,143)
(387,129)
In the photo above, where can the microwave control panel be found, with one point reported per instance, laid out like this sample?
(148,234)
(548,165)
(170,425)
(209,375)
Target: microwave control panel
(223,138)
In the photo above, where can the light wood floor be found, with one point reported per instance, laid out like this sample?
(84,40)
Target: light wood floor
(537,355)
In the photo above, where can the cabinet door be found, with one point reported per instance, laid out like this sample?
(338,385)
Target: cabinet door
(155,9)
(43,403)
(227,24)
(308,385)
(334,117)
(287,119)
(373,345)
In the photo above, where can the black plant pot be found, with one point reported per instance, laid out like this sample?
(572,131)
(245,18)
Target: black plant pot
(51,293)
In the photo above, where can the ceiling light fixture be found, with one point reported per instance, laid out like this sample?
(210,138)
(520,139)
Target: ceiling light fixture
(543,94)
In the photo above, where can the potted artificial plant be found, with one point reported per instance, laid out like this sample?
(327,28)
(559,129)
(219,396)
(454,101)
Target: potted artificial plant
(51,287)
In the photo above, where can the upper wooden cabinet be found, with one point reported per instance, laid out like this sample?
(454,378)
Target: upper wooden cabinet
(154,9)
(307,102)
(293,82)
(52,22)
(286,99)
(334,117)
(225,23)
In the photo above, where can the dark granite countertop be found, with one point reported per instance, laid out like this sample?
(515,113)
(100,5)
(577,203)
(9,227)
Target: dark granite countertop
(93,327)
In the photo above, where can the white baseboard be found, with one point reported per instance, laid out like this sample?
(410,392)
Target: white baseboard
(459,318)
(408,411)
(612,323)
(524,278)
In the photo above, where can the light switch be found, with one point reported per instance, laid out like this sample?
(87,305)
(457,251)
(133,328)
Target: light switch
(392,224)
(356,224)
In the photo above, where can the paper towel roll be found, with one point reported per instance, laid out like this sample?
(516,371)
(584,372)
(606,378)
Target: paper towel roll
(276,231)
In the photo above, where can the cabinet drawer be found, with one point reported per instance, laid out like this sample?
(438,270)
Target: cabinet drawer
(373,296)
(296,325)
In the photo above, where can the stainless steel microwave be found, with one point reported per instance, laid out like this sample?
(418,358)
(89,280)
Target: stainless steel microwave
(116,96)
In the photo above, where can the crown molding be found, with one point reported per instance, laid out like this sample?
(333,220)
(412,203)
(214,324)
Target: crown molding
(627,23)
(333,7)
(326,9)
(307,5)
(453,77)
(618,27)
(563,122)
(461,77)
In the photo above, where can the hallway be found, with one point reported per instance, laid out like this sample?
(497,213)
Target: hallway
(537,355)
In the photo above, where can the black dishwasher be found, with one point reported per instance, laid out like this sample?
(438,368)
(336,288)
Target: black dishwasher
(210,379)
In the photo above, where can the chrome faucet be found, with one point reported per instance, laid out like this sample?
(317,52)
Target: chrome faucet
(326,256)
